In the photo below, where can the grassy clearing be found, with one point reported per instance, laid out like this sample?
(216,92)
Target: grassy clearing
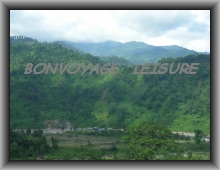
(93,142)
(87,147)
(72,153)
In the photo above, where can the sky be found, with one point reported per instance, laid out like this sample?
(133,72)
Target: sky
(187,28)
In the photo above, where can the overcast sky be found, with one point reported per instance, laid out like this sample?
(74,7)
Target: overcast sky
(189,29)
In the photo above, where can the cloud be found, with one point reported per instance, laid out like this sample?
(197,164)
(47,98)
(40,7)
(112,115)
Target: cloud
(165,27)
(155,23)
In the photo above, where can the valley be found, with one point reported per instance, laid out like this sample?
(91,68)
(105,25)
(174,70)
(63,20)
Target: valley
(55,103)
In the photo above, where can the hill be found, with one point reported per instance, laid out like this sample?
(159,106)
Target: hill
(106,59)
(135,52)
(178,101)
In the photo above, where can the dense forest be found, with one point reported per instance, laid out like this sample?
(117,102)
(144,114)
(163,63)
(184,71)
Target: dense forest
(180,102)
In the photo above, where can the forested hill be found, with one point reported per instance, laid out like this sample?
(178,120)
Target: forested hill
(135,52)
(106,59)
(178,101)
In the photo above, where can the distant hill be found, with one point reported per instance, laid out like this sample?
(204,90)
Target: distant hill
(69,47)
(135,52)
(106,59)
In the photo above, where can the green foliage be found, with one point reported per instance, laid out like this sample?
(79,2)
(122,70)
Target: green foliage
(194,147)
(54,142)
(27,147)
(198,136)
(179,101)
(146,141)
(37,133)
(114,147)
(28,132)
(116,59)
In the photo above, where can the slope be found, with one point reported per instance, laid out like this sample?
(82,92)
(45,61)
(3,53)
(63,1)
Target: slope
(135,52)
(179,101)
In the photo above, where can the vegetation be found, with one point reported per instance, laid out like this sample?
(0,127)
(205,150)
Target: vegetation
(135,52)
(181,102)
(178,102)
(198,136)
(116,59)
(27,147)
(148,141)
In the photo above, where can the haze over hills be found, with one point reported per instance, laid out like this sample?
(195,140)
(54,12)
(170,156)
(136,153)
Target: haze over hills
(135,52)
(178,101)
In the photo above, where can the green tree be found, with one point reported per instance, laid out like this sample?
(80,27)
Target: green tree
(198,136)
(14,150)
(112,108)
(28,132)
(38,133)
(146,141)
(54,142)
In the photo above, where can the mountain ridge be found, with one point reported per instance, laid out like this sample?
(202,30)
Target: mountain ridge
(134,51)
